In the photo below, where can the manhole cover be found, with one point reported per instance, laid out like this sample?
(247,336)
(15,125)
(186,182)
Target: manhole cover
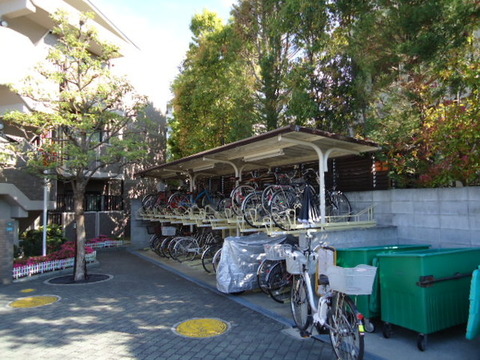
(202,328)
(34,301)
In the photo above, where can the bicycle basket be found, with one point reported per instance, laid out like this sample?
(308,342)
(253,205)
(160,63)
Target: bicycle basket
(352,281)
(296,259)
(276,251)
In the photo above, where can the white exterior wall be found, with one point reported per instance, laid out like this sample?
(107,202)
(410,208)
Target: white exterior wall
(446,217)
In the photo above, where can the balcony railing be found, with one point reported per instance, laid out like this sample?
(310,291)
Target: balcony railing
(92,202)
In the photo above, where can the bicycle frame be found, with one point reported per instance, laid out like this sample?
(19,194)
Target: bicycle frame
(318,318)
(334,311)
(306,277)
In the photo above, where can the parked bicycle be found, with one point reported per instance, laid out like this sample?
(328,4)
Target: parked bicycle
(272,276)
(288,205)
(180,201)
(187,248)
(255,207)
(333,311)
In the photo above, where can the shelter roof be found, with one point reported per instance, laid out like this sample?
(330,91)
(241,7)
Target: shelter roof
(277,148)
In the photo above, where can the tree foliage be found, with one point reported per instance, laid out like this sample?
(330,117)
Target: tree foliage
(451,130)
(393,71)
(414,43)
(213,103)
(84,114)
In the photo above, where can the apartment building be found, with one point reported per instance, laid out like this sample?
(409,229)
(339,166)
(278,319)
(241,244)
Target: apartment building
(25,37)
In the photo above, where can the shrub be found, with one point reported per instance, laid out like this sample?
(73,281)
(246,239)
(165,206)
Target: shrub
(32,240)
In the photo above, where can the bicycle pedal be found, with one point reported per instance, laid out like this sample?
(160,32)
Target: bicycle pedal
(305,334)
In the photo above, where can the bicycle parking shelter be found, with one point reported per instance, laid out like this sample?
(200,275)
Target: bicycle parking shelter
(278,148)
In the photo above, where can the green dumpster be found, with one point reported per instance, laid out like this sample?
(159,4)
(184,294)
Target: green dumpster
(473,324)
(369,305)
(426,290)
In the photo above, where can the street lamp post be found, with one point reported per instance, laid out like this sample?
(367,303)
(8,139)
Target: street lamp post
(45,213)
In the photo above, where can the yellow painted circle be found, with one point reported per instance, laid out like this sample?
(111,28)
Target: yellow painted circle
(34,301)
(27,290)
(202,328)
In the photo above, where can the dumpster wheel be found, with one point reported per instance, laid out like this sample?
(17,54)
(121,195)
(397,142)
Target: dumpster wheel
(422,342)
(387,330)
(369,326)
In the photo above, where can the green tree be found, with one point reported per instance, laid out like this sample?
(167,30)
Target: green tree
(260,24)
(321,76)
(401,48)
(213,101)
(85,115)
(451,130)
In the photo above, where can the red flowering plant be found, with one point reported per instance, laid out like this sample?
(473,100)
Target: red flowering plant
(67,250)
(99,239)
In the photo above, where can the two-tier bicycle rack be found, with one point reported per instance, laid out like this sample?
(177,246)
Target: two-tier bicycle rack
(282,147)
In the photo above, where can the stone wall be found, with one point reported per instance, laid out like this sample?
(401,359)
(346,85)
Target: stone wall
(446,217)
(7,230)
(109,223)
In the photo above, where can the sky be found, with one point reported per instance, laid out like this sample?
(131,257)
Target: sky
(160,28)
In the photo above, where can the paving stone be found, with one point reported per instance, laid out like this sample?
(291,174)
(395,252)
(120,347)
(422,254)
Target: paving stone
(131,317)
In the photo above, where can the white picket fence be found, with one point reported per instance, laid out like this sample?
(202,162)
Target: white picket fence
(106,244)
(29,270)
(40,268)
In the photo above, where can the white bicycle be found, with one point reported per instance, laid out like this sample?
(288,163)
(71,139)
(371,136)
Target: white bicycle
(333,311)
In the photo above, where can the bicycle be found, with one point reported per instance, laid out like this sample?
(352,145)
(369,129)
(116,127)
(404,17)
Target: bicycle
(189,247)
(286,203)
(253,211)
(180,201)
(334,312)
(272,276)
(255,207)
(154,202)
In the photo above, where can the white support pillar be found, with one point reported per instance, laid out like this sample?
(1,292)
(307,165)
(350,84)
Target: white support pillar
(322,168)
(238,174)
(192,181)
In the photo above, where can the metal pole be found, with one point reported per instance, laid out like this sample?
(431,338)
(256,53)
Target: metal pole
(45,214)
(322,169)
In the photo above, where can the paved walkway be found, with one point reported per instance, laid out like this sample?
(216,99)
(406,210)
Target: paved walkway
(447,344)
(132,315)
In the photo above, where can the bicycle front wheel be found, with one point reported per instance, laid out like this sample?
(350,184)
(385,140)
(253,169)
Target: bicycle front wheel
(216,259)
(185,249)
(207,257)
(284,207)
(346,328)
(252,209)
(301,310)
(279,282)
(262,274)
(338,207)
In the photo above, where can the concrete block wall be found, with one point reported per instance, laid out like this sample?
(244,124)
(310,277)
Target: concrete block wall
(30,185)
(377,236)
(7,228)
(109,223)
(446,217)
(139,236)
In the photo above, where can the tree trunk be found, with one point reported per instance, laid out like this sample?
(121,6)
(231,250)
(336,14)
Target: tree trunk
(80,262)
